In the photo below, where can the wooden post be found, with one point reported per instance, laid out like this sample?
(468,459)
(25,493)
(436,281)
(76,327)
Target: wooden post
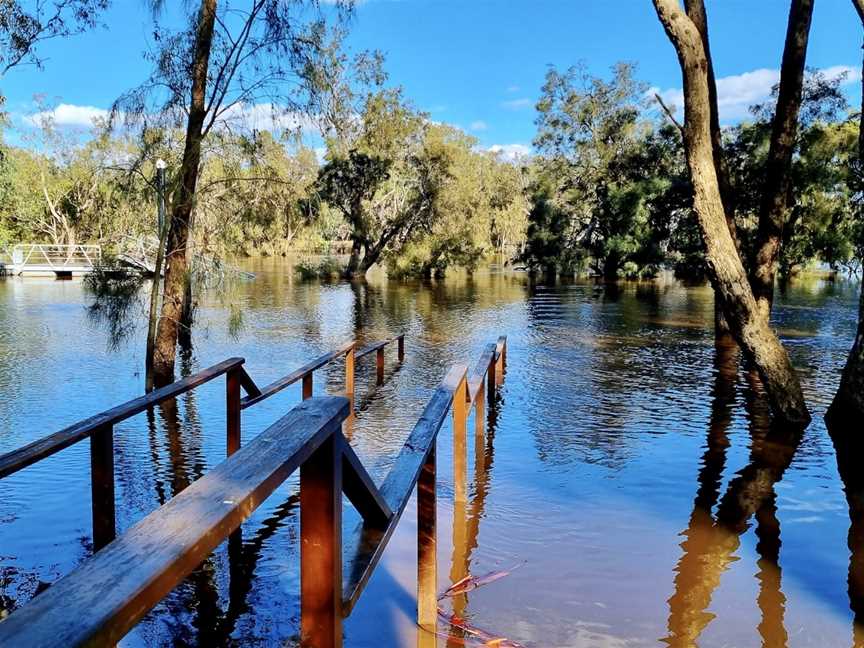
(460,418)
(102,486)
(232,398)
(321,546)
(401,340)
(501,349)
(427,555)
(349,376)
(480,412)
(307,386)
(379,364)
(492,380)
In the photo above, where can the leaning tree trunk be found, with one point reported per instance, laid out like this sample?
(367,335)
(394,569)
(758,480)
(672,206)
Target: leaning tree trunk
(725,268)
(778,180)
(178,237)
(849,401)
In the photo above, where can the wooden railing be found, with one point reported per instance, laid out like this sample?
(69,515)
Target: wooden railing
(100,428)
(98,603)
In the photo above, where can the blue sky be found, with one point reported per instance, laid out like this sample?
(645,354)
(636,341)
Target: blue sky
(479,64)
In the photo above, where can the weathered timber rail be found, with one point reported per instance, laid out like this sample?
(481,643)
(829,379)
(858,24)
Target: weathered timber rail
(98,603)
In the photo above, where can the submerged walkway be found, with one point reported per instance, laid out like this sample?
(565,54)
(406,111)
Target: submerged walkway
(100,601)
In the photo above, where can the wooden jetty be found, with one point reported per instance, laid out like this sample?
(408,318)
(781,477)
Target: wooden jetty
(109,593)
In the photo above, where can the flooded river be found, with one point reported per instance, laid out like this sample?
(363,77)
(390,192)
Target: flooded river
(628,471)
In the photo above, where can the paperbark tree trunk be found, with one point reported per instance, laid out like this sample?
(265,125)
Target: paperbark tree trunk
(177,266)
(849,401)
(725,268)
(778,167)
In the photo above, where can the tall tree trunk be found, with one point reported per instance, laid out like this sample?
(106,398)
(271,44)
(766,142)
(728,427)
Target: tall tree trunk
(178,237)
(696,12)
(849,400)
(725,267)
(778,167)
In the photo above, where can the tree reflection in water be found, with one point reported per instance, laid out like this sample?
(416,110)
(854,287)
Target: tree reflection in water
(849,446)
(712,538)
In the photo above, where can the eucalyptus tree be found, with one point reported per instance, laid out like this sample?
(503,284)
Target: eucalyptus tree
(726,269)
(231,59)
(773,212)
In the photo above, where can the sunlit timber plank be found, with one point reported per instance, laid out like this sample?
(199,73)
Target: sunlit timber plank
(361,490)
(298,374)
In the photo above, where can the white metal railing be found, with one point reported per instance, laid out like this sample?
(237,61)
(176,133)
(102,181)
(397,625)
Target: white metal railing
(55,257)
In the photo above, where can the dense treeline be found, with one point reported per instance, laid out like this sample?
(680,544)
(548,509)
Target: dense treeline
(430,198)
(611,192)
(608,192)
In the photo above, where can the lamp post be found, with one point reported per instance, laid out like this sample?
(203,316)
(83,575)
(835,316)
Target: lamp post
(161,165)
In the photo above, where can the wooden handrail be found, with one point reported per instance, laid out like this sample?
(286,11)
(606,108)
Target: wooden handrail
(367,544)
(98,603)
(298,374)
(12,462)
(100,428)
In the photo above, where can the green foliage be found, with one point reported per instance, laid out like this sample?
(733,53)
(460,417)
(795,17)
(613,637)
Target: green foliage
(327,268)
(345,182)
(605,175)
(612,190)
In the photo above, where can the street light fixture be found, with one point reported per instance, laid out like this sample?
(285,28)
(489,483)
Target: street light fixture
(161,165)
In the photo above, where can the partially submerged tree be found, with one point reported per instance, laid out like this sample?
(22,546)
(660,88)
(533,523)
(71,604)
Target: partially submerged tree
(229,65)
(778,177)
(725,267)
(848,403)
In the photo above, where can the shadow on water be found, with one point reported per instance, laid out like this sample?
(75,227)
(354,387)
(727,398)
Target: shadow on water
(712,538)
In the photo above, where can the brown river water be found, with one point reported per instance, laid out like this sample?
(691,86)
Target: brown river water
(629,469)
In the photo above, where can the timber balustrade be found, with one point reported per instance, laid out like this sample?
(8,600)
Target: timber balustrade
(99,602)
(100,428)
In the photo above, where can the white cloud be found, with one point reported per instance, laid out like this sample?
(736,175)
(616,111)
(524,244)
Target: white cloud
(517,104)
(479,125)
(510,152)
(853,74)
(513,88)
(736,93)
(67,115)
(266,116)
